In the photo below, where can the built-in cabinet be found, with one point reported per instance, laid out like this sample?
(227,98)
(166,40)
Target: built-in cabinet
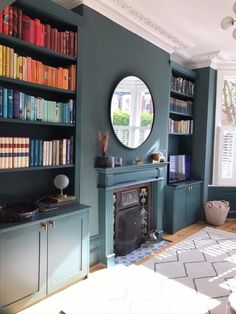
(182,204)
(41,257)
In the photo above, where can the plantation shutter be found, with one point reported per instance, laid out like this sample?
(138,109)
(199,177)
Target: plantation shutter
(226,156)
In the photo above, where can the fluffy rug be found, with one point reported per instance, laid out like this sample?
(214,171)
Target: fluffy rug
(204,262)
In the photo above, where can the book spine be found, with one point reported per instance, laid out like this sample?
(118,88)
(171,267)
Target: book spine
(68,145)
(10,103)
(40,152)
(31,153)
(19,23)
(6,21)
(1,30)
(1,154)
(26,28)
(10,30)
(16,105)
(36,153)
(4,102)
(1,102)
(15,22)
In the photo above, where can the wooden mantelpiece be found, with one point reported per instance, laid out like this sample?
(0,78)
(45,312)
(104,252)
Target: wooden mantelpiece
(110,179)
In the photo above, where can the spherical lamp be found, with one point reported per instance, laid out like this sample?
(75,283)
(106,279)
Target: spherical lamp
(61,181)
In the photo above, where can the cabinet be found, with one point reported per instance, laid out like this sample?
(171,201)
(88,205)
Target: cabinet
(41,257)
(38,77)
(182,204)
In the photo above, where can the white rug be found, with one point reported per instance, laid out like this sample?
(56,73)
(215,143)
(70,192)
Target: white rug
(206,264)
(192,277)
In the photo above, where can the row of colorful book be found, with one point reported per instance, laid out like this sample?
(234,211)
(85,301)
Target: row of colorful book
(18,105)
(182,126)
(181,106)
(21,152)
(25,68)
(15,23)
(182,85)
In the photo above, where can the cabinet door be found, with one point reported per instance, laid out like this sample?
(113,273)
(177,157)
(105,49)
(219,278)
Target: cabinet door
(22,267)
(192,203)
(68,250)
(179,212)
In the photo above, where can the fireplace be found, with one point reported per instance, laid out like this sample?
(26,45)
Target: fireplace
(141,192)
(131,218)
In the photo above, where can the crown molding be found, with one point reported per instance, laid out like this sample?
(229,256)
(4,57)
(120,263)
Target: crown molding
(133,20)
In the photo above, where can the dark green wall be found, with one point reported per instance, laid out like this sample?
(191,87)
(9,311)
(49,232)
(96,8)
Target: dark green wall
(108,52)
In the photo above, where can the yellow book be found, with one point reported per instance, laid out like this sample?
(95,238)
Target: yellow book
(4,51)
(7,69)
(15,66)
(11,66)
(1,60)
(20,67)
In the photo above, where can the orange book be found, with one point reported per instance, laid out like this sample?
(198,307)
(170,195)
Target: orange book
(15,66)
(29,69)
(60,77)
(65,78)
(20,67)
(24,68)
(11,70)
(45,74)
(50,76)
(33,71)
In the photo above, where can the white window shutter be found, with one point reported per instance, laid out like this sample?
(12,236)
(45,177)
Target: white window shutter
(226,157)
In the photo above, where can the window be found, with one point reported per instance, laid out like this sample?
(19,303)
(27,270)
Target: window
(224,172)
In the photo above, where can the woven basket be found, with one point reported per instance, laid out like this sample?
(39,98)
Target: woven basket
(216,212)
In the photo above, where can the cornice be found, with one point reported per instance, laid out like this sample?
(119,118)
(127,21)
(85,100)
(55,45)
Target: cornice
(135,21)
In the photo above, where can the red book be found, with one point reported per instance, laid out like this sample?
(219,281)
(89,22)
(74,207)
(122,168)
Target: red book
(10,30)
(55,39)
(15,22)
(19,23)
(52,39)
(37,26)
(76,45)
(71,43)
(64,43)
(32,31)
(48,36)
(67,42)
(42,35)
(6,21)
(1,17)
(26,28)
(60,48)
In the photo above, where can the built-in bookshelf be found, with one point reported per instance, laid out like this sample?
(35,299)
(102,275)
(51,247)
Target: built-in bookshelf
(181,110)
(39,102)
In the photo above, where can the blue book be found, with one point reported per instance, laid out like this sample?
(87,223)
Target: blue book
(32,108)
(40,152)
(27,107)
(32,144)
(16,105)
(36,153)
(4,103)
(1,102)
(10,103)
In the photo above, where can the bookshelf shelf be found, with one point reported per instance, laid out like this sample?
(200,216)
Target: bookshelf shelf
(55,124)
(181,134)
(13,83)
(37,168)
(180,115)
(176,94)
(29,48)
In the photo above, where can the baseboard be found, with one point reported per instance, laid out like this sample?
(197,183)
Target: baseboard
(94,250)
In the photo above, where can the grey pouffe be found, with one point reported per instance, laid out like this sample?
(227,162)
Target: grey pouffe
(216,212)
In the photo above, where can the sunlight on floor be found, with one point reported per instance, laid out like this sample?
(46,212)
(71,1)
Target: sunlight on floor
(121,289)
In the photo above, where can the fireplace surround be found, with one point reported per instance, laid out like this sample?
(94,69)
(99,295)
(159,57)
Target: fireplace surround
(113,179)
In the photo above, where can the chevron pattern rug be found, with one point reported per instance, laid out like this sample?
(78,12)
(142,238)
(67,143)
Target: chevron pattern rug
(205,263)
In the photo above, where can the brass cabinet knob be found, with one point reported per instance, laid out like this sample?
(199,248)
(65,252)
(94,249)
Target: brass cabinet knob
(52,223)
(44,225)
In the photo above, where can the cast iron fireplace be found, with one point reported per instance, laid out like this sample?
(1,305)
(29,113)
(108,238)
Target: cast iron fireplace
(131,219)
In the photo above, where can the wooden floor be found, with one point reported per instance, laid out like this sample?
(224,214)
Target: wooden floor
(229,225)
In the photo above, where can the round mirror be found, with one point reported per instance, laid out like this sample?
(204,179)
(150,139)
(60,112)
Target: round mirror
(132,111)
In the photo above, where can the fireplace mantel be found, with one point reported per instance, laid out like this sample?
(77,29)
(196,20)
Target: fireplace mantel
(110,179)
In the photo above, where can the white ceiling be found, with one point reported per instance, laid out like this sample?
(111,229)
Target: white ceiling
(188,29)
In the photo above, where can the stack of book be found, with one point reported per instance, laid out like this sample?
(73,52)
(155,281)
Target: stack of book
(56,201)
(18,105)
(14,22)
(28,69)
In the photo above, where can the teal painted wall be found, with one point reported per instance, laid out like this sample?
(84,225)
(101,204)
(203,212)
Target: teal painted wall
(204,116)
(108,52)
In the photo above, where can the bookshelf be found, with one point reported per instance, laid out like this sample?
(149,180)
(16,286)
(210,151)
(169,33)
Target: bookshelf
(183,198)
(51,46)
